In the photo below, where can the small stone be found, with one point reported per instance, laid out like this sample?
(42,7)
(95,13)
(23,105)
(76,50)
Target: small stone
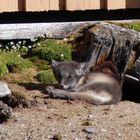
(88,130)
(90,116)
(103,130)
(76,139)
(4,90)
(70,124)
(5,112)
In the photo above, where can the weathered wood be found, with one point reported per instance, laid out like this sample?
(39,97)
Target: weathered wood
(32,30)
(103,41)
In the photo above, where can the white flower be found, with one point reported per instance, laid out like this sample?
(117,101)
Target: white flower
(14,47)
(11,43)
(6,47)
(17,45)
(65,39)
(29,46)
(62,55)
(1,45)
(19,42)
(38,44)
(24,41)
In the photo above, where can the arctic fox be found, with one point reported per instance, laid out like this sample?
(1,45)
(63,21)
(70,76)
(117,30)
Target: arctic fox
(78,82)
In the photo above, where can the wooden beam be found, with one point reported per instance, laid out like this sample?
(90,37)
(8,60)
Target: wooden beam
(32,30)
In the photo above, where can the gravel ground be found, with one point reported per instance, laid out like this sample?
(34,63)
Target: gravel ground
(73,120)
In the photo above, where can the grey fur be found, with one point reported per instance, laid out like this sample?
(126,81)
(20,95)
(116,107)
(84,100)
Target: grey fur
(78,83)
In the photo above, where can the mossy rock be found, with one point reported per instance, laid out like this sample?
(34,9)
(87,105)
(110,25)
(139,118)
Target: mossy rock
(46,76)
(135,25)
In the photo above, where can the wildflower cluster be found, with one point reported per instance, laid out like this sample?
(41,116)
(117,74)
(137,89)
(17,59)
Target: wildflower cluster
(19,47)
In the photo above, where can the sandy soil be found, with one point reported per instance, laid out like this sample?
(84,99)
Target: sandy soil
(71,120)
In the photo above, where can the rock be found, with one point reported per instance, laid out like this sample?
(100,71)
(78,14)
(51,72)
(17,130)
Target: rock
(4,90)
(103,130)
(76,139)
(5,112)
(88,130)
(57,137)
(103,41)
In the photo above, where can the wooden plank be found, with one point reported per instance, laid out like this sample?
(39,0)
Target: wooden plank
(82,4)
(37,5)
(95,4)
(42,5)
(8,5)
(120,4)
(73,4)
(54,5)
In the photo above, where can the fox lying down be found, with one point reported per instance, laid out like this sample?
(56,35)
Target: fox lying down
(76,81)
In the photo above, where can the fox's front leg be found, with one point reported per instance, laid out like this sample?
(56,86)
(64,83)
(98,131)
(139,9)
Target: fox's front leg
(57,93)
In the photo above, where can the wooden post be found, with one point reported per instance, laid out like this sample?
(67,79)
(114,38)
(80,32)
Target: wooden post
(132,3)
(21,5)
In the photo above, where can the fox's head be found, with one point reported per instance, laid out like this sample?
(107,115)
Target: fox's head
(68,73)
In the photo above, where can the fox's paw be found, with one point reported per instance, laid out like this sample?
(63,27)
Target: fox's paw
(50,91)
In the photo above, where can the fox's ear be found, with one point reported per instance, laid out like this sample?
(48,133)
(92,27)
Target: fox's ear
(54,63)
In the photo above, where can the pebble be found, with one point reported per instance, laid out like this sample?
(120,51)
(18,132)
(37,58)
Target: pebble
(90,116)
(103,130)
(88,130)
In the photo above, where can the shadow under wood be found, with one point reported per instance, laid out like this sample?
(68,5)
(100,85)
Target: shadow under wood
(131,91)
(36,86)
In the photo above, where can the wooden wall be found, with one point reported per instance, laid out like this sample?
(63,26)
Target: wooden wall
(45,5)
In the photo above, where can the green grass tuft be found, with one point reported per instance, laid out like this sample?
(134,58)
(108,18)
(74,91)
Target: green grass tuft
(41,64)
(46,76)
(52,49)
(13,59)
